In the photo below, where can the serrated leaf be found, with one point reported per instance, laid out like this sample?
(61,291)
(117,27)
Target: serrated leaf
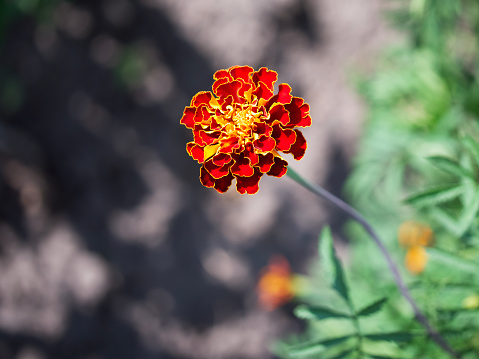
(317,313)
(372,308)
(332,269)
(394,337)
(434,195)
(450,166)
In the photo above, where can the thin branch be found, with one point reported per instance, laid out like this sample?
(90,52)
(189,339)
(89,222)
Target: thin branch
(321,192)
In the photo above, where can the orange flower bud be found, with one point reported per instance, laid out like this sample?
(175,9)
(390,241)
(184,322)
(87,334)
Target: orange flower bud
(416,259)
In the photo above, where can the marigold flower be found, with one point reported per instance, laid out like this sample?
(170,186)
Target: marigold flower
(413,233)
(240,127)
(275,286)
(415,236)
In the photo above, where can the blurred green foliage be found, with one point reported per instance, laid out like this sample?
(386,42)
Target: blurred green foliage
(418,159)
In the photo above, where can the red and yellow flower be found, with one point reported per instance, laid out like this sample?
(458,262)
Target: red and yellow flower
(240,127)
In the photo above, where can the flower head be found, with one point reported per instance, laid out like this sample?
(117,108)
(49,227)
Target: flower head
(240,127)
(415,236)
(275,286)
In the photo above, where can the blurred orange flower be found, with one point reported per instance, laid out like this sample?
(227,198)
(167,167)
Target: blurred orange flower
(275,286)
(416,259)
(415,236)
(239,128)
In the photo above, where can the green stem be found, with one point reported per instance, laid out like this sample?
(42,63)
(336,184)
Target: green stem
(321,192)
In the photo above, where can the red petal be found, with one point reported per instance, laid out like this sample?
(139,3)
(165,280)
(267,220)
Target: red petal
(217,171)
(222,184)
(265,162)
(221,159)
(198,139)
(188,117)
(268,77)
(264,144)
(229,89)
(249,153)
(229,144)
(195,151)
(262,128)
(209,137)
(241,72)
(284,138)
(298,113)
(284,96)
(299,146)
(219,82)
(202,114)
(201,98)
(262,91)
(279,113)
(205,178)
(244,87)
(241,166)
(248,184)
(279,168)
(222,74)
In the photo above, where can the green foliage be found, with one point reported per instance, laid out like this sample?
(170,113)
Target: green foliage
(349,341)
(418,160)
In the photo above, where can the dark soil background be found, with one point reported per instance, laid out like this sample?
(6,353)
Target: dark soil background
(110,248)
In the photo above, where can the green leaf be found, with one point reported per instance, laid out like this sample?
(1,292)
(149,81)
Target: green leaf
(469,214)
(332,269)
(344,353)
(434,195)
(316,347)
(450,166)
(472,146)
(394,337)
(372,308)
(454,262)
(317,313)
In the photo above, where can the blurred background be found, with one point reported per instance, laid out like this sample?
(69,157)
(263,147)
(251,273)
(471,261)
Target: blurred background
(109,245)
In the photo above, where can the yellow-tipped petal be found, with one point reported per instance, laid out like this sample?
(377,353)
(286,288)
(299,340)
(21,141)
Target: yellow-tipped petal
(211,151)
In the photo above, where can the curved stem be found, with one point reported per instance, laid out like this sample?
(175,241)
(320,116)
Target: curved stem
(321,192)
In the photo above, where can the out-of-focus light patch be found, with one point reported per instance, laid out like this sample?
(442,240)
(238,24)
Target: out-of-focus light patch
(46,40)
(241,219)
(105,50)
(242,337)
(31,188)
(74,21)
(238,34)
(118,12)
(88,278)
(30,353)
(37,281)
(229,269)
(157,85)
(148,223)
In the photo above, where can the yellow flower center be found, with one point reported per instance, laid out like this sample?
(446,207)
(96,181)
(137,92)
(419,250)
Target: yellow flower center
(239,120)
